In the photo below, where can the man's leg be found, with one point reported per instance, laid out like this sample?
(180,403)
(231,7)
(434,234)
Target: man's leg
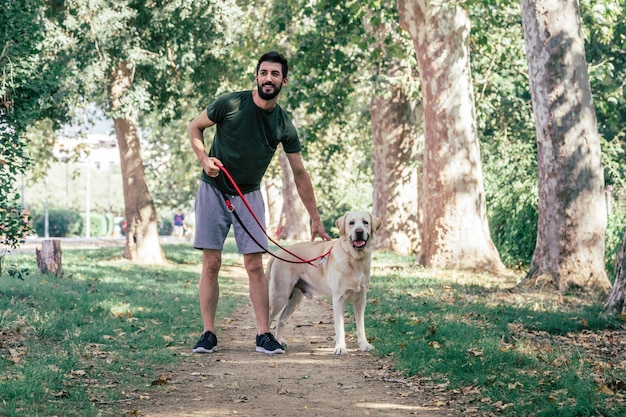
(208,287)
(209,291)
(258,288)
(259,295)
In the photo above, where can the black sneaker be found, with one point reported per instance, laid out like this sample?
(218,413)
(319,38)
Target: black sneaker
(266,343)
(207,343)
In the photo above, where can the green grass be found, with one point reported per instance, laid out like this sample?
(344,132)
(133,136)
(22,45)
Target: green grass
(99,331)
(70,345)
(518,353)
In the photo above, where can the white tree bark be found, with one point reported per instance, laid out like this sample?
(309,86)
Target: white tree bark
(455,231)
(397,133)
(395,172)
(572,214)
(294,221)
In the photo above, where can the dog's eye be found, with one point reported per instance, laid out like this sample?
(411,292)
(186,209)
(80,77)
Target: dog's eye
(352,223)
(366,222)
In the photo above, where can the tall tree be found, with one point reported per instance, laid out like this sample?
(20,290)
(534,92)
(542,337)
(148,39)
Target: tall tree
(149,57)
(455,231)
(396,132)
(31,89)
(341,50)
(293,221)
(569,252)
(395,135)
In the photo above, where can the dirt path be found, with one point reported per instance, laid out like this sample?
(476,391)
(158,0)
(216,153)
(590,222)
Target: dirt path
(308,380)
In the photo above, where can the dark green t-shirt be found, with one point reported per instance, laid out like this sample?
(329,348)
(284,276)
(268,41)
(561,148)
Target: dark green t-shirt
(246,138)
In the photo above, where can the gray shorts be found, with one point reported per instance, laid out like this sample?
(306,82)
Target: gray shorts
(213,220)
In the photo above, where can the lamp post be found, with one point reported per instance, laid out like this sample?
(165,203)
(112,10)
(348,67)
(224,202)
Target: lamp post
(46,216)
(88,200)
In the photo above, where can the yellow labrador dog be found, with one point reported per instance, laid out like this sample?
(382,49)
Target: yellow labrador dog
(344,275)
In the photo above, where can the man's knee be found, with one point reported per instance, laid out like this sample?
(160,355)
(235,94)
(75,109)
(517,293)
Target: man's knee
(211,262)
(254,264)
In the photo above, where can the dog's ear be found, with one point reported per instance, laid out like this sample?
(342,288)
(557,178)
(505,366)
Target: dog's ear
(340,223)
(376,222)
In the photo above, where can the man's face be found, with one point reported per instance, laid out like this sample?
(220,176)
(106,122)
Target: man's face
(270,80)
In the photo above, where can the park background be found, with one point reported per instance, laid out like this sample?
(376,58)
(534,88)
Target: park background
(355,95)
(380,133)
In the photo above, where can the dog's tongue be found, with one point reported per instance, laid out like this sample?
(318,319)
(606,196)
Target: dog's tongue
(358,243)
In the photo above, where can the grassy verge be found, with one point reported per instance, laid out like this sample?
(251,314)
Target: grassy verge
(489,350)
(78,345)
(70,345)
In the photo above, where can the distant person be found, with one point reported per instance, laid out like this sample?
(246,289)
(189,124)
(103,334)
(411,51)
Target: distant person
(250,126)
(179,224)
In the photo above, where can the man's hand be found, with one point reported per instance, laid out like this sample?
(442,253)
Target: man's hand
(212,166)
(317,228)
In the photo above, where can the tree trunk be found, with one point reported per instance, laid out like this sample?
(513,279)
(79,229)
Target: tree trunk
(455,232)
(616,303)
(49,258)
(142,233)
(294,222)
(396,137)
(395,172)
(273,197)
(569,252)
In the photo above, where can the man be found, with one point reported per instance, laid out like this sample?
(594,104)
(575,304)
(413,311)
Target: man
(250,125)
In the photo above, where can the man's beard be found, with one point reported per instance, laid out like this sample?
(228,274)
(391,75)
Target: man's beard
(268,96)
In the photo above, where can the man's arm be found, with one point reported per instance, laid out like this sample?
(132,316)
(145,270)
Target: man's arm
(195,130)
(305,191)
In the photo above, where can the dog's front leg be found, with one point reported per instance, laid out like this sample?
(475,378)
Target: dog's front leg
(340,333)
(359,316)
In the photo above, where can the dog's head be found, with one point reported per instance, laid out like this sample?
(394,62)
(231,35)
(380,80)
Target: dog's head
(359,228)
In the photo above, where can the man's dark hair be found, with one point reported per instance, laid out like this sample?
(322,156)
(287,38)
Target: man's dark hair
(274,57)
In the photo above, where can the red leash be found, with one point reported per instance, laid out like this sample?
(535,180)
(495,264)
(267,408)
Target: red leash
(230,208)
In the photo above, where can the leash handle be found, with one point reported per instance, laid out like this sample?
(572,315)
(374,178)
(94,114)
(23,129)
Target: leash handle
(232,210)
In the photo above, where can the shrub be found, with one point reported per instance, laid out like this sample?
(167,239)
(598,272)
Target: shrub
(166,226)
(513,225)
(61,223)
(14,225)
(98,225)
(614,234)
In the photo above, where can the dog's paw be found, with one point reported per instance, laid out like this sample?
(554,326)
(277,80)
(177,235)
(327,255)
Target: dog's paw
(340,350)
(366,347)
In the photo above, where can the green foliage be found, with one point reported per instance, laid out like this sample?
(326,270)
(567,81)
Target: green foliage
(336,66)
(31,88)
(69,223)
(172,169)
(13,161)
(512,203)
(604,27)
(100,225)
(61,223)
(166,226)
(167,47)
(505,128)
(31,82)
(616,227)
(14,225)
